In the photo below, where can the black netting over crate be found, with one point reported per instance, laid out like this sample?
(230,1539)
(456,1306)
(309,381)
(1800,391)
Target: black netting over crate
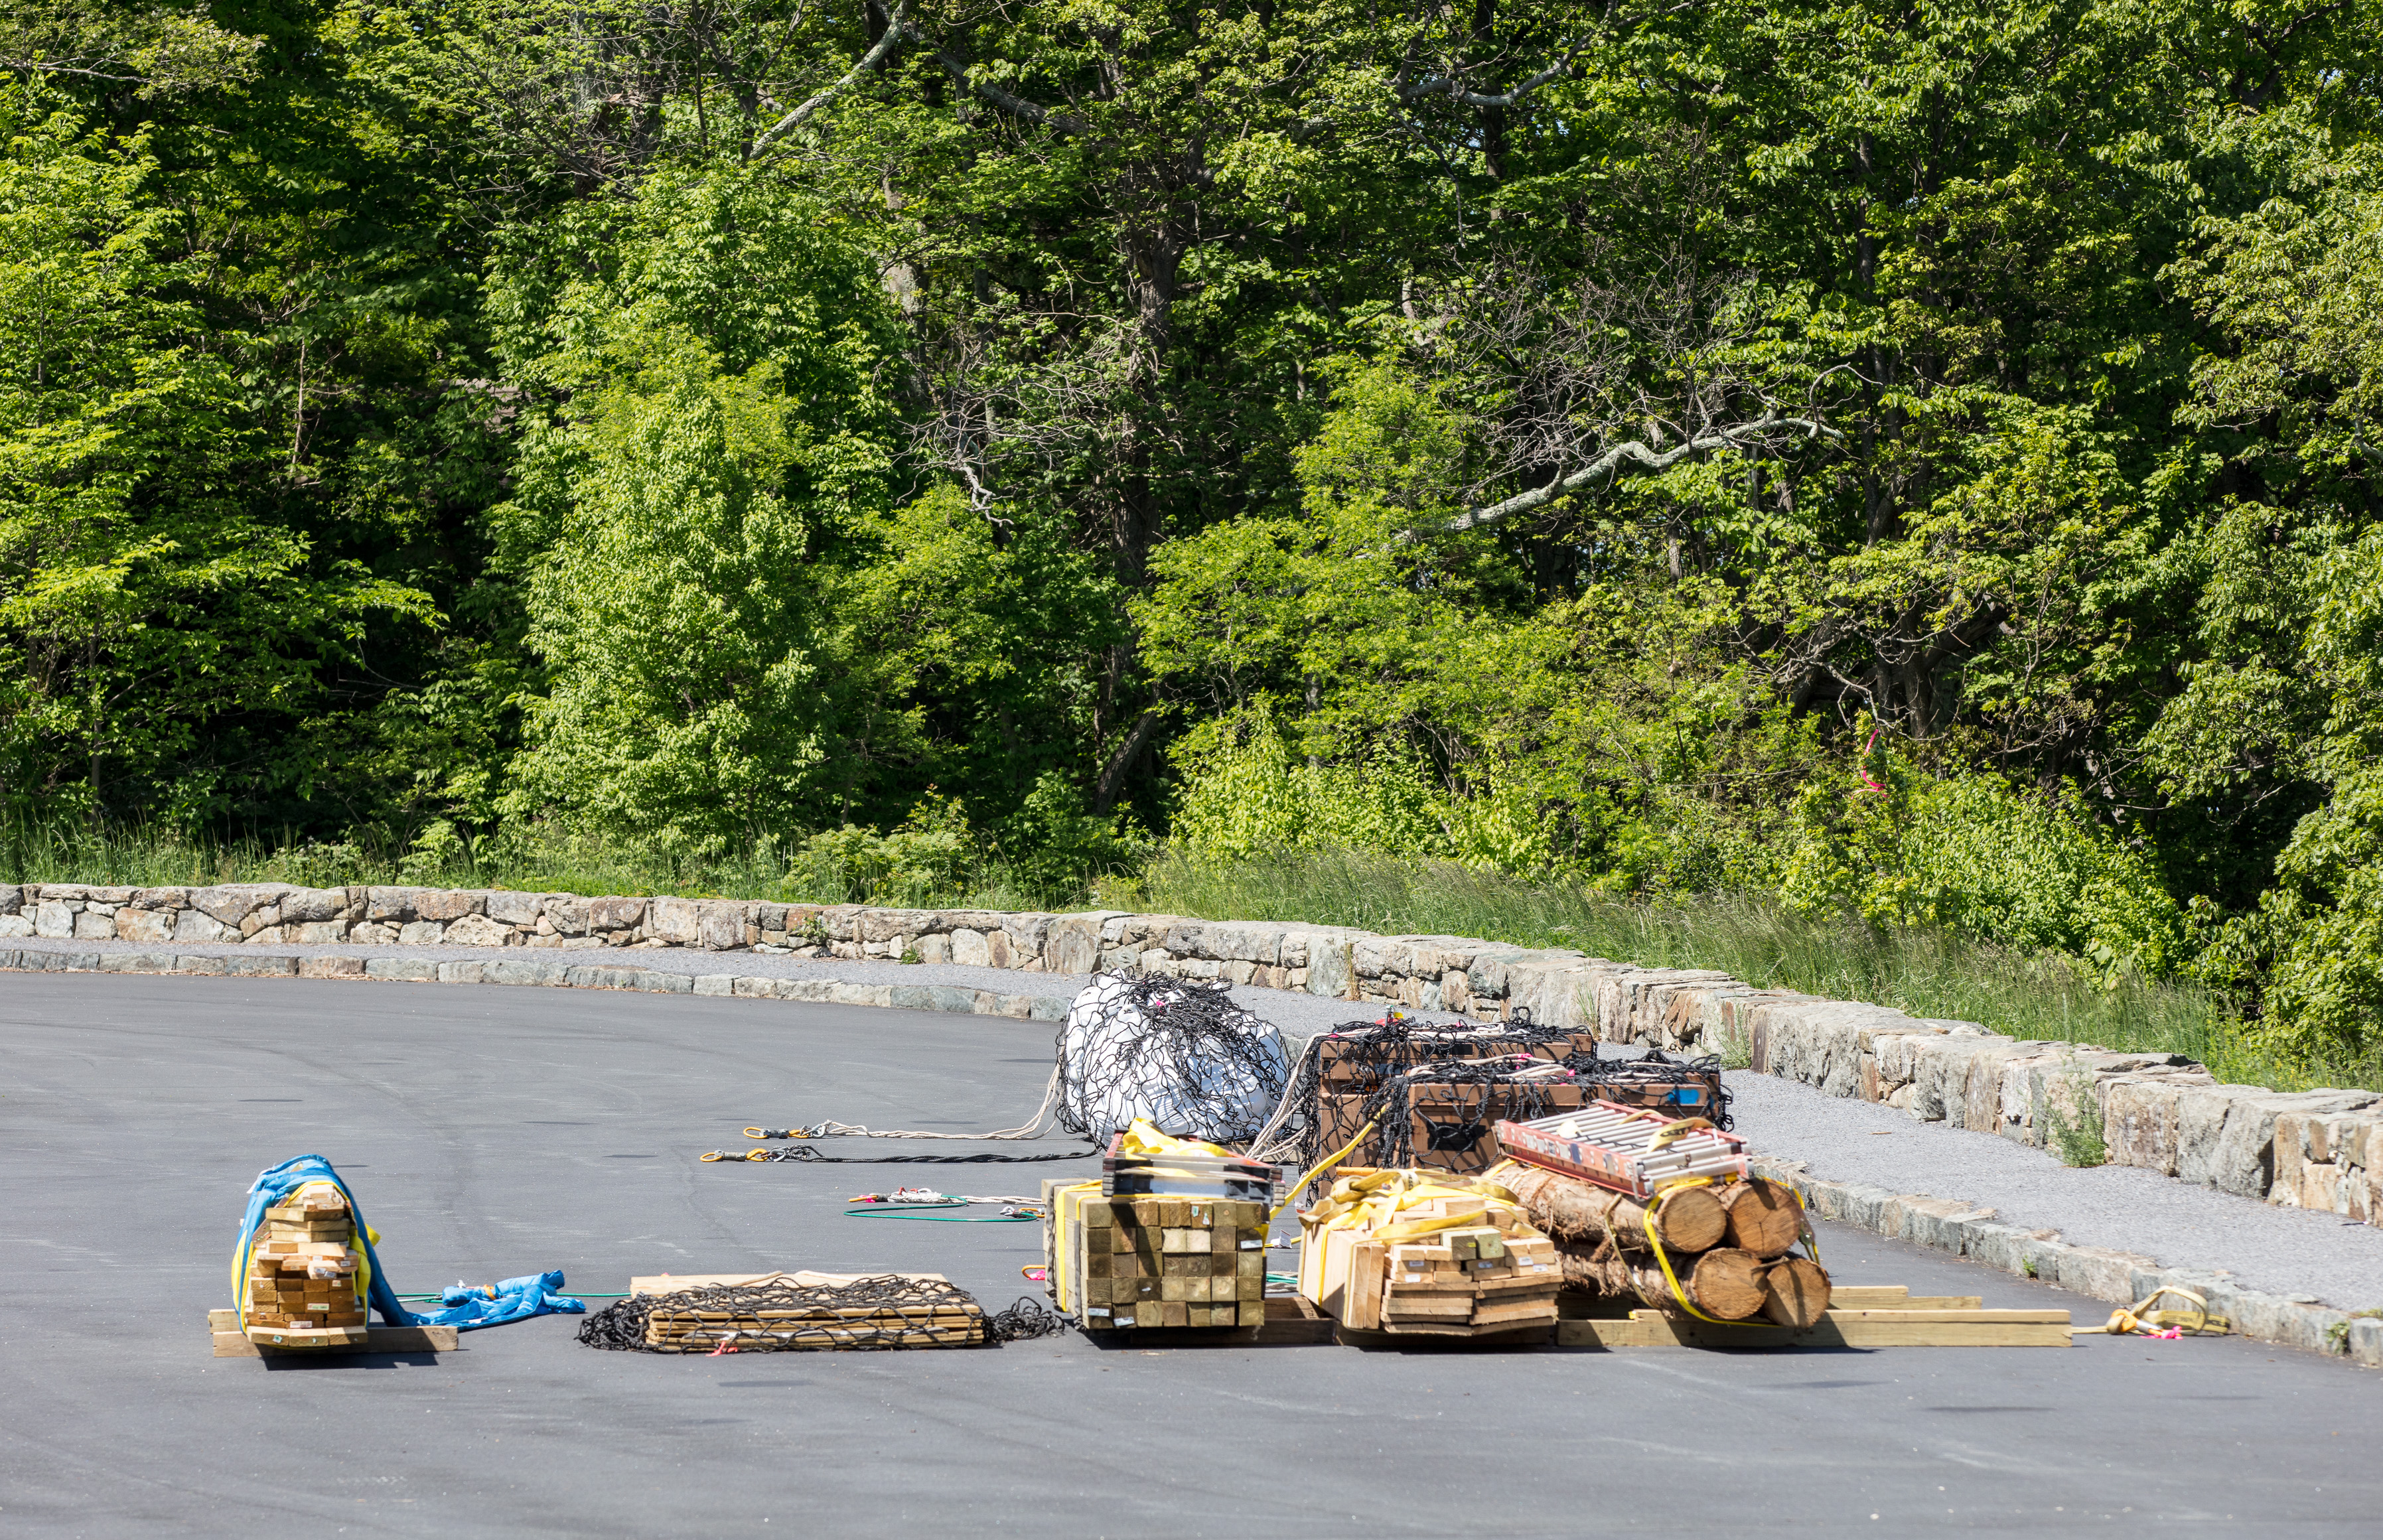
(1657,1081)
(1343,1071)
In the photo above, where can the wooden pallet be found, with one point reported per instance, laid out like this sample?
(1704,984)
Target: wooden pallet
(230,1341)
(1903,1327)
(1291,1322)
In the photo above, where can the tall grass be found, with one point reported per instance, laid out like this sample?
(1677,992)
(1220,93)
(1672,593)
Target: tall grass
(534,859)
(1927,973)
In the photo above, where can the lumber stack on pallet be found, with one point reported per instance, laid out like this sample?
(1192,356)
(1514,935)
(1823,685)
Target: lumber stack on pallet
(1141,1262)
(1416,1252)
(1729,1246)
(302,1289)
(692,1329)
(806,1311)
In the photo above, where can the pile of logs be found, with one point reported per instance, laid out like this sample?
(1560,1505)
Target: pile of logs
(1728,1245)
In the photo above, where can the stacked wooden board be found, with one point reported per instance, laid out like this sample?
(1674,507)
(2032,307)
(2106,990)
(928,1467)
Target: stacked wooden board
(806,1311)
(1136,1263)
(1860,1316)
(303,1288)
(1398,1252)
(1190,1171)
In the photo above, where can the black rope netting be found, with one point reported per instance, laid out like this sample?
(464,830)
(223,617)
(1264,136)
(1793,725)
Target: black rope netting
(808,1154)
(1455,1125)
(1639,1081)
(872,1314)
(1178,1051)
(1367,1072)
(1363,1059)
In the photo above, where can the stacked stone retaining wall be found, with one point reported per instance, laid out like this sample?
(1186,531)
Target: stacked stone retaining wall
(2319,1149)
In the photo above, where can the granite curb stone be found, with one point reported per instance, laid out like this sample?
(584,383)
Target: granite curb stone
(2119,1278)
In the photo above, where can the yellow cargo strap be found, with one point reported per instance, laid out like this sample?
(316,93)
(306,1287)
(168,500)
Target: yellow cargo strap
(2140,1318)
(1326,1163)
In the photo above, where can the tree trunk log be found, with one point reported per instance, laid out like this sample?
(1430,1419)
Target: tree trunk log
(1763,1216)
(1726,1285)
(1688,1218)
(1795,1292)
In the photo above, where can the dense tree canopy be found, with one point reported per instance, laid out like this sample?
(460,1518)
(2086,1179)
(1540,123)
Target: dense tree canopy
(1918,459)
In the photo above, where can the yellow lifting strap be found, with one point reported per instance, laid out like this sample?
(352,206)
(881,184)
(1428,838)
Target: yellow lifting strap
(1663,1258)
(2140,1318)
(1318,1169)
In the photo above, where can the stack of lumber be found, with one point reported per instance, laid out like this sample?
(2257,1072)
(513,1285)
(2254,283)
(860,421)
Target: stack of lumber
(301,1288)
(754,1326)
(1728,1245)
(1136,1263)
(688,1312)
(1418,1252)
(1859,1316)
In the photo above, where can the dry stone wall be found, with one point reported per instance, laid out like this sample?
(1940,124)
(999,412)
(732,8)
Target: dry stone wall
(2319,1149)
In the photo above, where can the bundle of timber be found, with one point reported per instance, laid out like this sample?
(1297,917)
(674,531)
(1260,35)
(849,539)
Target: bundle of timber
(1418,1252)
(785,1313)
(1721,1252)
(300,1287)
(1119,1263)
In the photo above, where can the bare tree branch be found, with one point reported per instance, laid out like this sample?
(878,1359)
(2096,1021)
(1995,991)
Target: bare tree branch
(895,33)
(1446,85)
(1008,100)
(1636,453)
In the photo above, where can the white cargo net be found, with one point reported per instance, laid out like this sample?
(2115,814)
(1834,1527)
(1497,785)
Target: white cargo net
(1177,1051)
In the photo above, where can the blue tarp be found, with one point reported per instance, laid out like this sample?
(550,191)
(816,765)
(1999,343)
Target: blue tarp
(493,1305)
(472,1306)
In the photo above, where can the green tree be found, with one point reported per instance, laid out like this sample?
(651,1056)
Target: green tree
(721,444)
(142,600)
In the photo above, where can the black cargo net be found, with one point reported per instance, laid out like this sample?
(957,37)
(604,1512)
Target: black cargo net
(865,1314)
(1640,1081)
(1361,1058)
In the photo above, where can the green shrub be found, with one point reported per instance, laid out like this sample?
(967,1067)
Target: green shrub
(1975,854)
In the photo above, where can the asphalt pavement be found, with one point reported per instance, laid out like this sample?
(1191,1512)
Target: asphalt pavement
(490,1132)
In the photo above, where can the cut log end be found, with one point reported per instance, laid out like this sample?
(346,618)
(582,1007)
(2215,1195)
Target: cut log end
(1690,1219)
(1728,1284)
(1761,1217)
(1795,1292)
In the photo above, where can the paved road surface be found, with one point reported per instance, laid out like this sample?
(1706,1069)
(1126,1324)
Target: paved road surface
(491,1132)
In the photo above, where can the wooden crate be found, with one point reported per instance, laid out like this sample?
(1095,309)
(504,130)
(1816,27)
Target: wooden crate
(1451,1126)
(1146,1262)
